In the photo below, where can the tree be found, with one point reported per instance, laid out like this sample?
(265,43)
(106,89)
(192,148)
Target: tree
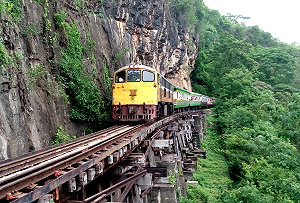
(275,65)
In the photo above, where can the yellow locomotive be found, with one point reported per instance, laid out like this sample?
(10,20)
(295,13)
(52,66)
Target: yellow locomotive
(141,93)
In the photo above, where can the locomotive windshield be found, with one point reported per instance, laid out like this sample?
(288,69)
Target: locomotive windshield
(148,76)
(134,75)
(120,76)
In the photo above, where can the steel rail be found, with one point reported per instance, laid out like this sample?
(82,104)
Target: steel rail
(40,151)
(48,169)
(56,159)
(48,153)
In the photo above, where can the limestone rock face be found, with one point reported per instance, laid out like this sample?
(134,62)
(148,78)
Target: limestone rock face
(151,32)
(125,31)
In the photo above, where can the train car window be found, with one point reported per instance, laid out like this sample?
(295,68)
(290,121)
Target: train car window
(120,76)
(148,76)
(133,75)
(169,86)
(163,82)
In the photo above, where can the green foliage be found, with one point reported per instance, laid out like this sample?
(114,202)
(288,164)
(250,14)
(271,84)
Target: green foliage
(295,52)
(276,66)
(79,4)
(230,60)
(264,167)
(62,92)
(193,12)
(49,37)
(270,183)
(212,175)
(233,53)
(87,104)
(61,136)
(187,7)
(7,62)
(34,74)
(100,15)
(18,55)
(120,54)
(256,117)
(247,193)
(12,8)
(5,59)
(59,19)
(172,177)
(255,36)
(107,83)
(284,89)
(198,195)
(287,119)
(6,7)
(89,47)
(29,30)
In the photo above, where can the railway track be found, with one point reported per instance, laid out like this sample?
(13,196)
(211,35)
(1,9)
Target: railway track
(26,178)
(38,157)
(18,173)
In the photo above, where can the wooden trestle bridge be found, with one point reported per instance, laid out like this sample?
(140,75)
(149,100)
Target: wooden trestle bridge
(118,164)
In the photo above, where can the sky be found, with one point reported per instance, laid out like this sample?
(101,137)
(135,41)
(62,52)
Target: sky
(278,17)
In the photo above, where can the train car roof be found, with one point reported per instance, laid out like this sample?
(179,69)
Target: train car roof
(181,89)
(136,66)
(191,93)
(195,93)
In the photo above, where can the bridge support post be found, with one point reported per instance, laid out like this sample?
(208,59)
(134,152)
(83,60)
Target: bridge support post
(72,185)
(114,196)
(197,132)
(45,199)
(204,123)
(162,190)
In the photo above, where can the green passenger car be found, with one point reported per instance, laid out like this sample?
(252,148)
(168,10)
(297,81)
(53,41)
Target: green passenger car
(195,99)
(181,97)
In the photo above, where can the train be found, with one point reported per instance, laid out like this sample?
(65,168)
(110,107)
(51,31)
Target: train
(140,93)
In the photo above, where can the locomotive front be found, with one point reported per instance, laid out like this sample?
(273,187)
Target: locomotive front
(135,93)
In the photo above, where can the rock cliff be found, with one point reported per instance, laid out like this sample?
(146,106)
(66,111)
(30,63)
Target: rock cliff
(32,100)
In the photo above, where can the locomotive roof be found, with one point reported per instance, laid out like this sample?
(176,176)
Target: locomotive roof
(137,66)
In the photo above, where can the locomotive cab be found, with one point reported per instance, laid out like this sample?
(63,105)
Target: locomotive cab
(136,93)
